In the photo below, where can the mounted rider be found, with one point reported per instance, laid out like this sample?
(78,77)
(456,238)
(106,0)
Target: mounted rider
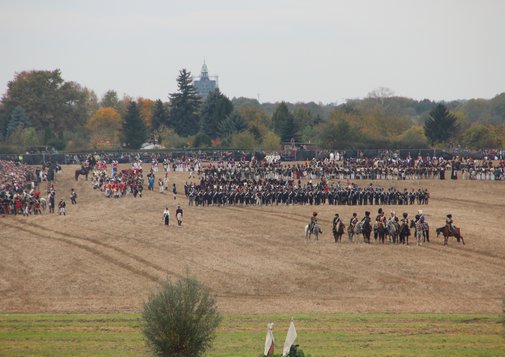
(421,216)
(380,216)
(366,221)
(405,219)
(449,223)
(313,221)
(393,218)
(353,221)
(336,222)
(425,225)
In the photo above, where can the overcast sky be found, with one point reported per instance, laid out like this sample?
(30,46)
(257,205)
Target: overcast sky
(278,50)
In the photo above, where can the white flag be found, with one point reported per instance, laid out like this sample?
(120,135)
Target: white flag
(290,338)
(269,341)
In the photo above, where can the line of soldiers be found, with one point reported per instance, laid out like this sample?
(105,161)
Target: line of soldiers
(273,192)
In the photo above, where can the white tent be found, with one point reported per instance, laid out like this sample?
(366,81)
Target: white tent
(290,338)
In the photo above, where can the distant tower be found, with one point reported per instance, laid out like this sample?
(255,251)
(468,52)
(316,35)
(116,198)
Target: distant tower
(205,83)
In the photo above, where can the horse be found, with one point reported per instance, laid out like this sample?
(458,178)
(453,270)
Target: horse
(366,230)
(380,231)
(393,229)
(447,232)
(350,232)
(316,230)
(338,232)
(355,230)
(426,232)
(84,171)
(179,218)
(404,233)
(418,231)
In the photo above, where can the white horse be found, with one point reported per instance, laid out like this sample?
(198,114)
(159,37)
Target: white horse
(43,204)
(316,230)
(419,232)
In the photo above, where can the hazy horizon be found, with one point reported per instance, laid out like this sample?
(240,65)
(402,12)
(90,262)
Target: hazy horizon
(325,51)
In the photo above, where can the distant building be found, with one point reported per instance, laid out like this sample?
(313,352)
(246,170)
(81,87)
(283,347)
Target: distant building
(205,83)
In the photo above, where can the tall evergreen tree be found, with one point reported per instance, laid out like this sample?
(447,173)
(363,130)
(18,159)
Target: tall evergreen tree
(184,105)
(283,122)
(215,109)
(134,129)
(18,119)
(233,123)
(288,130)
(159,115)
(440,124)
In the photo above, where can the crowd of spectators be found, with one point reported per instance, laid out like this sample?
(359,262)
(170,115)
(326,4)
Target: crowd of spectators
(19,188)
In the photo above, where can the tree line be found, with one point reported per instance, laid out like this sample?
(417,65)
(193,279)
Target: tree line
(41,109)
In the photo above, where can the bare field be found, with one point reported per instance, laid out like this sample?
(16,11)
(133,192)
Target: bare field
(106,255)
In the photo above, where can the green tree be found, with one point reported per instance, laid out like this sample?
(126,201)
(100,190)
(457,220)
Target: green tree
(440,125)
(184,104)
(412,138)
(244,140)
(168,138)
(52,139)
(338,134)
(233,123)
(110,100)
(48,100)
(18,119)
(283,122)
(497,108)
(202,140)
(180,320)
(271,141)
(481,136)
(304,117)
(160,116)
(215,109)
(134,129)
(24,138)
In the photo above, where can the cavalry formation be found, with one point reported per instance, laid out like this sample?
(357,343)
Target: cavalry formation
(390,229)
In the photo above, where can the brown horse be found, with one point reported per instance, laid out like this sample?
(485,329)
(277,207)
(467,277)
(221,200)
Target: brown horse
(338,232)
(447,232)
(404,234)
(82,171)
(380,231)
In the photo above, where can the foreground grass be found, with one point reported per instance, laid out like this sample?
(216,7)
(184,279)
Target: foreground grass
(243,335)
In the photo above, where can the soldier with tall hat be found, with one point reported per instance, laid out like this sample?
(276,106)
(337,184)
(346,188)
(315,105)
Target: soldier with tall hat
(367,227)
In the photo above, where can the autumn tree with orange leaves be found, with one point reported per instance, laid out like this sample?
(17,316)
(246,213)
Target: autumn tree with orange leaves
(105,127)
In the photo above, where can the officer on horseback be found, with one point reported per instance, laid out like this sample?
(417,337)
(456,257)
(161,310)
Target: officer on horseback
(336,222)
(380,216)
(313,221)
(367,227)
(353,221)
(450,224)
(421,216)
(424,224)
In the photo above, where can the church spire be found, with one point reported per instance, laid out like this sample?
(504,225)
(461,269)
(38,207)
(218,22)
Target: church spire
(205,71)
